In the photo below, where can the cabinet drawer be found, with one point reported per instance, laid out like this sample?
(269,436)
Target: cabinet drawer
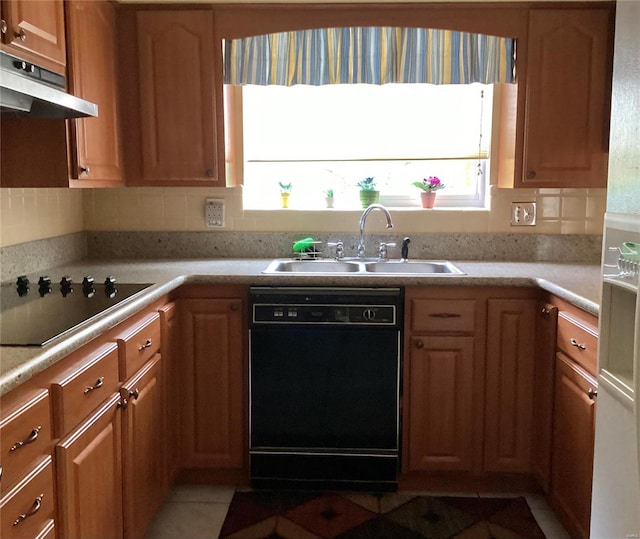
(443,315)
(84,387)
(137,344)
(579,341)
(28,509)
(25,434)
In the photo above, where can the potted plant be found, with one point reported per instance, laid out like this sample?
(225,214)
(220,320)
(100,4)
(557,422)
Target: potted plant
(429,186)
(328,198)
(368,192)
(285,191)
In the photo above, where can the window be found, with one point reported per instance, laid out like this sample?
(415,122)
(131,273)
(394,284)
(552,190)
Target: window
(332,136)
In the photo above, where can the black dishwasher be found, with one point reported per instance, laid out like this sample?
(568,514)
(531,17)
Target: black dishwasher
(324,387)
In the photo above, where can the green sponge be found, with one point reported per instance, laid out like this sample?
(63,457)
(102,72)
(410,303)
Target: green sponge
(302,245)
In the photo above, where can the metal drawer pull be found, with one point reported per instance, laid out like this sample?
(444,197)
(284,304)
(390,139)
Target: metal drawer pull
(592,393)
(33,436)
(147,344)
(37,504)
(445,315)
(577,344)
(99,383)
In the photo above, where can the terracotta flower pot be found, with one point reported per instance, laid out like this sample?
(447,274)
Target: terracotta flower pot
(428,199)
(369,197)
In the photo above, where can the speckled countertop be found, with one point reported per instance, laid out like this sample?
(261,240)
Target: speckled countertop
(577,283)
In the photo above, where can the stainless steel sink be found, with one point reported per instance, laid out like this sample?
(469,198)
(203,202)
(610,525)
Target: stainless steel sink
(394,267)
(413,267)
(313,266)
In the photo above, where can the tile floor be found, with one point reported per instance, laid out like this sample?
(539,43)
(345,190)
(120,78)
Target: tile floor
(198,511)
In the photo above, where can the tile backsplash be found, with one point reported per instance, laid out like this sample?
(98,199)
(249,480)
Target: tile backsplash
(34,214)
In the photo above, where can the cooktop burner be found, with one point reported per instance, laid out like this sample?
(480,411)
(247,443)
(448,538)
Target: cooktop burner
(35,315)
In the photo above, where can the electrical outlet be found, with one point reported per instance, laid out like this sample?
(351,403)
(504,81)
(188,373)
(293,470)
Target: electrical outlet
(523,213)
(214,213)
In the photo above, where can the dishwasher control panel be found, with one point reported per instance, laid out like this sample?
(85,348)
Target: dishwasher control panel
(324,314)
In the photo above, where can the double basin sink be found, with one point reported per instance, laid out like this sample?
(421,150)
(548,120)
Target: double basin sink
(366,266)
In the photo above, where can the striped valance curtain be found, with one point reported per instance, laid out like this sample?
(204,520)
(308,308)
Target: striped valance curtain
(373,55)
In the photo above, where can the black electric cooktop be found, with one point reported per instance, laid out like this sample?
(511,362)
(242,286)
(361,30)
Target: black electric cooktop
(36,314)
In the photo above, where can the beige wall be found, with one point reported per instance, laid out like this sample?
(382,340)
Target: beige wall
(32,214)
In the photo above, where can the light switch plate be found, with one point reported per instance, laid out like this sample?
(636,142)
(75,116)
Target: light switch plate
(214,213)
(523,213)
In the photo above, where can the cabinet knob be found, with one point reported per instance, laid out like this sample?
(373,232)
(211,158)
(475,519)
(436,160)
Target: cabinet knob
(592,393)
(33,436)
(147,344)
(37,504)
(123,404)
(134,394)
(531,174)
(85,170)
(3,26)
(419,344)
(209,173)
(21,35)
(235,307)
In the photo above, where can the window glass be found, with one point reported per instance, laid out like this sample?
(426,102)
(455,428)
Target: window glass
(331,137)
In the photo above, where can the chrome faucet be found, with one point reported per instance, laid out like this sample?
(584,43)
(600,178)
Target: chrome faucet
(363,220)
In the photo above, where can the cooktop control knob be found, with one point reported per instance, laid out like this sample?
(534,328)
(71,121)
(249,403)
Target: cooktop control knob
(110,289)
(22,281)
(87,286)
(44,285)
(65,286)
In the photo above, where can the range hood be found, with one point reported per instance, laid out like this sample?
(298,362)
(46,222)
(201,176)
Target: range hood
(28,90)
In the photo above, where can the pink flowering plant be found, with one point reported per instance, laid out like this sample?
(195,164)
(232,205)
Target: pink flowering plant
(430,184)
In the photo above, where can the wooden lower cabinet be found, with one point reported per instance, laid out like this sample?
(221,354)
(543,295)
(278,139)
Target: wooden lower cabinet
(89,476)
(212,394)
(441,404)
(543,381)
(143,455)
(509,384)
(573,443)
(28,509)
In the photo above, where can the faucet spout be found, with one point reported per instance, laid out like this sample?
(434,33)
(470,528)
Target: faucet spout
(363,221)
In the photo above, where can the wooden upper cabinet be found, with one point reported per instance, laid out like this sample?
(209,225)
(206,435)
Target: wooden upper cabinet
(568,86)
(177,104)
(96,156)
(35,32)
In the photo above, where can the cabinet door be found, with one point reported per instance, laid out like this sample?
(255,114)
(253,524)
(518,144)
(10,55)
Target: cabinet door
(171,371)
(143,456)
(213,409)
(546,324)
(440,403)
(567,98)
(573,442)
(35,31)
(89,473)
(177,102)
(95,142)
(509,384)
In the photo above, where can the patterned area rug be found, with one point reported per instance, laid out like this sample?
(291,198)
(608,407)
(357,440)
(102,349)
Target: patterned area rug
(307,515)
